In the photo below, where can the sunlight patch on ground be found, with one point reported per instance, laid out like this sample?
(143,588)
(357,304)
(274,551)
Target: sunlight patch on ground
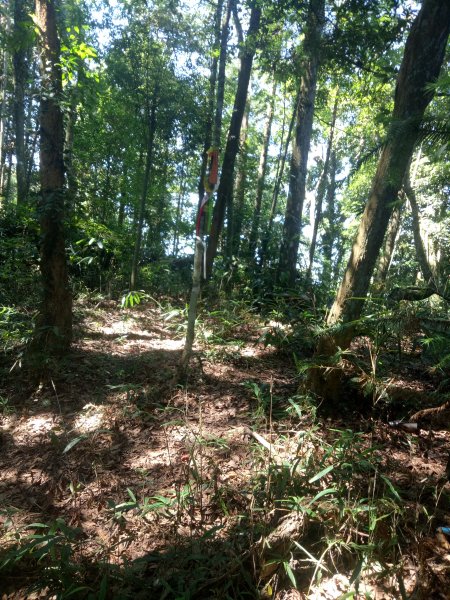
(117,327)
(90,419)
(34,425)
(168,344)
(252,351)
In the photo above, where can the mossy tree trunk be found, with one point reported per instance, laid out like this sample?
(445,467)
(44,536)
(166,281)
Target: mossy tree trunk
(422,60)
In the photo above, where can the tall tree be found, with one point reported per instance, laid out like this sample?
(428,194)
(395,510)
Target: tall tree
(388,248)
(304,121)
(281,162)
(262,168)
(20,79)
(422,60)
(321,187)
(421,254)
(235,223)
(5,24)
(150,135)
(54,325)
(225,191)
(208,131)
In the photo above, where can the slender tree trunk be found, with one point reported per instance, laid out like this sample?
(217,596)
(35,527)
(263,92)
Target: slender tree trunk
(329,235)
(282,156)
(287,269)
(321,188)
(145,186)
(217,126)
(6,190)
(123,195)
(421,254)
(235,223)
(72,183)
(180,201)
(211,97)
(192,312)
(422,60)
(225,190)
(20,78)
(388,248)
(4,22)
(54,325)
(262,168)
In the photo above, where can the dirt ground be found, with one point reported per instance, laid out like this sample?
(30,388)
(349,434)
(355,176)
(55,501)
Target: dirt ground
(140,469)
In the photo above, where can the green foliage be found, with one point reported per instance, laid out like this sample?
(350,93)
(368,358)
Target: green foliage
(131,299)
(335,484)
(51,549)
(15,328)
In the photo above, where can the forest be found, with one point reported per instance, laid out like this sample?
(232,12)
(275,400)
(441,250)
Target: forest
(224,299)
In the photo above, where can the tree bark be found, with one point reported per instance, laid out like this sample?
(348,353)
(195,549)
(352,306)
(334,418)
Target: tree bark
(72,182)
(262,168)
(20,78)
(287,268)
(321,188)
(225,190)
(192,312)
(217,125)
(388,248)
(421,254)
(330,226)
(4,21)
(211,98)
(54,324)
(235,222)
(422,60)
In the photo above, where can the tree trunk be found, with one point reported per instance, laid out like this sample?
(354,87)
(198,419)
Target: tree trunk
(330,233)
(54,324)
(421,254)
(262,168)
(20,78)
(4,21)
(422,60)
(236,221)
(179,212)
(192,312)
(225,190)
(72,182)
(281,162)
(287,268)
(217,125)
(388,249)
(123,194)
(145,186)
(321,188)
(211,98)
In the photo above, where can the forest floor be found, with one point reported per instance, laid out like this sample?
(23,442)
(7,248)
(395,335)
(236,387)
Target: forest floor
(116,483)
